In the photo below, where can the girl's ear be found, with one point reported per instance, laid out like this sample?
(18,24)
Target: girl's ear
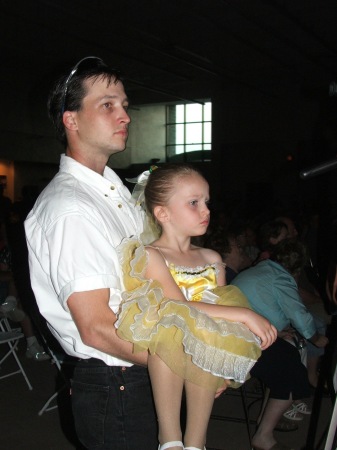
(161,214)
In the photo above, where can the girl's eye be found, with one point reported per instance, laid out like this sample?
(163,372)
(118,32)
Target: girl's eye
(107,105)
(194,202)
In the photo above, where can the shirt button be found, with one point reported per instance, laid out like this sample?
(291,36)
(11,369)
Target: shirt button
(120,205)
(106,195)
(112,187)
(122,388)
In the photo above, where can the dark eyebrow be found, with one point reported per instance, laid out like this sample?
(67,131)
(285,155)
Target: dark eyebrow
(113,97)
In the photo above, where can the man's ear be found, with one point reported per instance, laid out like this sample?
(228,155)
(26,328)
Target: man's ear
(69,120)
(161,214)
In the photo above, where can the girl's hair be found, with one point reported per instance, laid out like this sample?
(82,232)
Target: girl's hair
(291,254)
(161,184)
(268,230)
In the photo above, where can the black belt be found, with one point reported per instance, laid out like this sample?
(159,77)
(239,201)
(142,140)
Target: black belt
(91,362)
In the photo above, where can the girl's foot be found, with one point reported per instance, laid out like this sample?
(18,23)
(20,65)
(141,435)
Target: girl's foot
(172,444)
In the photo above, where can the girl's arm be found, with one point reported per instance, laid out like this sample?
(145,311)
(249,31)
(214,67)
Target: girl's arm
(158,270)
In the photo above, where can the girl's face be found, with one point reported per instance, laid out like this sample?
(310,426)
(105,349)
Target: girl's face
(187,210)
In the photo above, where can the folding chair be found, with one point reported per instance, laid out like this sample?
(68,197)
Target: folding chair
(60,360)
(248,398)
(11,338)
(46,407)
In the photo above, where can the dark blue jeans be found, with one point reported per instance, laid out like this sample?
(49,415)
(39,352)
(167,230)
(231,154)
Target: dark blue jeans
(113,407)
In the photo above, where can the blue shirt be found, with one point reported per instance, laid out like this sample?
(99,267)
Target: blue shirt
(273,293)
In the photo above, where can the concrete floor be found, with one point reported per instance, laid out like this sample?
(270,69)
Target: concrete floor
(23,429)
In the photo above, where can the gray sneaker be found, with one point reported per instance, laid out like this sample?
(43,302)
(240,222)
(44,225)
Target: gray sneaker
(36,352)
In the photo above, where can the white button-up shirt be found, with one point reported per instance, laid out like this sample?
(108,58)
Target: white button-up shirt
(72,234)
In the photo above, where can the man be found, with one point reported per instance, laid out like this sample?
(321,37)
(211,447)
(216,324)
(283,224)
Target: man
(72,233)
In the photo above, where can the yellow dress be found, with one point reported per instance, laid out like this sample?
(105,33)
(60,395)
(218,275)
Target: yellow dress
(199,348)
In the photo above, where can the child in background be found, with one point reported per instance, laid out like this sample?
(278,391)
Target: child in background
(200,334)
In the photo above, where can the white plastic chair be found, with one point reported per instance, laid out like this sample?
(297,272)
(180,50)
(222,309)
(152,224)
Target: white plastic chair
(11,338)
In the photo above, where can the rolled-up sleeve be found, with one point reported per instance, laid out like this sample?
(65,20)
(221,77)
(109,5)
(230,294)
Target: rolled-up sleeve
(75,267)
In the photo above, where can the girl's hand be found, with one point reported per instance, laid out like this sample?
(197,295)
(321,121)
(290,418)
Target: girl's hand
(222,389)
(287,334)
(260,326)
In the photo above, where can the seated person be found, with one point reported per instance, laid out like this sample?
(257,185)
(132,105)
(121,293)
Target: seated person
(313,295)
(269,234)
(279,367)
(232,254)
(271,289)
(11,307)
(250,245)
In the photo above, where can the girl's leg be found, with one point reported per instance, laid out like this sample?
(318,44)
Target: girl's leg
(167,390)
(199,403)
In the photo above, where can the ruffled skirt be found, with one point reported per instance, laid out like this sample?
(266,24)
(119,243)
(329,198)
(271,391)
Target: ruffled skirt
(199,348)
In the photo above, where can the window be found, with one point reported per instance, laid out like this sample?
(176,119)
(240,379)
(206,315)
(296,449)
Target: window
(189,132)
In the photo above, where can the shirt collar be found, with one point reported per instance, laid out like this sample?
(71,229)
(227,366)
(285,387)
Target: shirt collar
(88,176)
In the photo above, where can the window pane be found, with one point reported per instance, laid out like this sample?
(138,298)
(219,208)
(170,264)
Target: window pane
(179,149)
(194,113)
(193,147)
(207,147)
(208,111)
(207,132)
(180,114)
(193,133)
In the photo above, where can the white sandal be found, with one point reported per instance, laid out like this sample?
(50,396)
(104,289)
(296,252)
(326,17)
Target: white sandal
(171,445)
(302,408)
(293,414)
(193,448)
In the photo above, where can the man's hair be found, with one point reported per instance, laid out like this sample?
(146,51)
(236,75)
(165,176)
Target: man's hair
(69,90)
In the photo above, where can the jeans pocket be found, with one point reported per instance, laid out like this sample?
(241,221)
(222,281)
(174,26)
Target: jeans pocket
(89,404)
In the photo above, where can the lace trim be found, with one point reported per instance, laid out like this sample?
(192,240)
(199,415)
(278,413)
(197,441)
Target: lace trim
(194,270)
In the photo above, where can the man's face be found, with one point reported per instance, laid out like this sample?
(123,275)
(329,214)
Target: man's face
(102,122)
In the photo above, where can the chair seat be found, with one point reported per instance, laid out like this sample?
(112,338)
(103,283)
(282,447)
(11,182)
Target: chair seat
(11,337)
(6,336)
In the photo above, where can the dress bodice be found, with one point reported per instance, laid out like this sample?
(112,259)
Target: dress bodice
(194,282)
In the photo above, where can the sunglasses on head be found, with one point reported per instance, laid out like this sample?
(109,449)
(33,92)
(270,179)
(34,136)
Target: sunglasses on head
(87,62)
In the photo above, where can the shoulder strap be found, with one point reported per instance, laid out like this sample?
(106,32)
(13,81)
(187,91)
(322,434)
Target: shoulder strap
(161,252)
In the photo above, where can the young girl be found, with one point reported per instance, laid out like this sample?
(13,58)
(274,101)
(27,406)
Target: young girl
(202,346)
